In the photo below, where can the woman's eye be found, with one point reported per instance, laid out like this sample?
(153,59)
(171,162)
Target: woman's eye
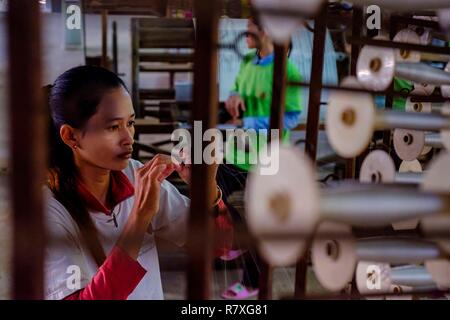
(131,123)
(114,127)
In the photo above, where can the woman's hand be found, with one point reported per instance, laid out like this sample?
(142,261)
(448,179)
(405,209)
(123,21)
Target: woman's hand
(233,104)
(146,204)
(148,185)
(184,168)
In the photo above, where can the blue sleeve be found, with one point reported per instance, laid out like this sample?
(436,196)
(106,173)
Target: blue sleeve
(291,120)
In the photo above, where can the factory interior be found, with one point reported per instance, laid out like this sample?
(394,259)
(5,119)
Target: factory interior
(224,149)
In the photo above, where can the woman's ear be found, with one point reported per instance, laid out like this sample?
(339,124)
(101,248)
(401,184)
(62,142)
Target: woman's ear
(69,136)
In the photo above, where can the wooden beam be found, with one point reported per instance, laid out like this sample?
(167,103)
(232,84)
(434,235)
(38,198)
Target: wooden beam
(115,49)
(389,100)
(276,123)
(278,88)
(135,67)
(28,147)
(205,97)
(312,124)
(357,23)
(357,26)
(104,60)
(134,7)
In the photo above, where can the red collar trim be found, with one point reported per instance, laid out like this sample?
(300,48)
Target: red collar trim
(120,190)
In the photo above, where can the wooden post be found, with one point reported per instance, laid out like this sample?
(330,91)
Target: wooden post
(83,25)
(357,24)
(203,181)
(135,67)
(352,164)
(104,61)
(312,125)
(315,91)
(389,102)
(28,147)
(115,51)
(279,88)
(276,123)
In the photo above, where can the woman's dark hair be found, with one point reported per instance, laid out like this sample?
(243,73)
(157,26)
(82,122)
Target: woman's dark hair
(73,99)
(256,21)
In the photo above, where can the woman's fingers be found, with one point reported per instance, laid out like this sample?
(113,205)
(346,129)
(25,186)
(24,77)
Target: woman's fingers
(157,160)
(160,172)
(231,110)
(232,107)
(166,172)
(142,171)
(235,112)
(227,104)
(184,171)
(241,104)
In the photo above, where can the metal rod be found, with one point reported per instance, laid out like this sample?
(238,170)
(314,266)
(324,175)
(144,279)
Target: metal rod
(388,119)
(436,104)
(421,73)
(414,97)
(433,140)
(412,276)
(435,57)
(396,250)
(435,107)
(399,45)
(374,206)
(202,186)
(409,177)
(28,147)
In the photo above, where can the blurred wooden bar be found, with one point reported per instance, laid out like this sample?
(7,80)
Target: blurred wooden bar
(205,96)
(276,123)
(28,132)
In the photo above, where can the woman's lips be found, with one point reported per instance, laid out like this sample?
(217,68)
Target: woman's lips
(125,155)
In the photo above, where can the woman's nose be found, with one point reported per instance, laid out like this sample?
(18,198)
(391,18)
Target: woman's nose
(127,138)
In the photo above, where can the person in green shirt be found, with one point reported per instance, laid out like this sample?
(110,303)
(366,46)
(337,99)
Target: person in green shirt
(251,96)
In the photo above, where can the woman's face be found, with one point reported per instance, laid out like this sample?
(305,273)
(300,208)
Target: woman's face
(107,138)
(252,43)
